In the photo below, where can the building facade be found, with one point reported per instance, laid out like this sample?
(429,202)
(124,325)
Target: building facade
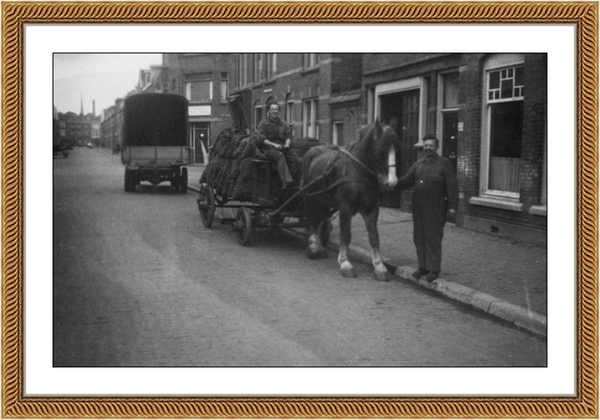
(204,79)
(489,112)
(319,94)
(77,130)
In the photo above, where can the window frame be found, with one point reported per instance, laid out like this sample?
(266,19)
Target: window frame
(492,64)
(313,129)
(188,91)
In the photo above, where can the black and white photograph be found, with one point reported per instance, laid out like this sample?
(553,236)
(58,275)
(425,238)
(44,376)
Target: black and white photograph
(299,210)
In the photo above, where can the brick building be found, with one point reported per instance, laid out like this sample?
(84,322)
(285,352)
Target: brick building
(319,94)
(204,80)
(489,112)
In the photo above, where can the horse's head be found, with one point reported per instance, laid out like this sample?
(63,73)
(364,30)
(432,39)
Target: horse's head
(381,143)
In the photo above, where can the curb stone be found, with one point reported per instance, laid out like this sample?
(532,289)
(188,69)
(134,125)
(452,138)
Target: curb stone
(517,315)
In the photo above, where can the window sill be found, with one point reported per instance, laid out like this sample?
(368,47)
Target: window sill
(497,204)
(538,210)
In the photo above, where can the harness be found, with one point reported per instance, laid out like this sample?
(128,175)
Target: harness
(329,168)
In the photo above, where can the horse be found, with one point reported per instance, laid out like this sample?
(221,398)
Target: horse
(349,180)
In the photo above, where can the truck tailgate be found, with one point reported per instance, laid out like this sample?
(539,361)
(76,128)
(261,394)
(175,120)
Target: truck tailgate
(155,156)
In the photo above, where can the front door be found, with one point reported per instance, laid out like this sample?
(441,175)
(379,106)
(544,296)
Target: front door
(449,136)
(401,111)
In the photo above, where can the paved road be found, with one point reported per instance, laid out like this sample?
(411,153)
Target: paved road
(139,282)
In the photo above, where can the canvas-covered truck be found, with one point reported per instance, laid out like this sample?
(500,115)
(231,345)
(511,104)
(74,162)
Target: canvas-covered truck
(155,140)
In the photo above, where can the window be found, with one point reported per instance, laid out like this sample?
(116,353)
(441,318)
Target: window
(450,91)
(242,66)
(309,119)
(224,86)
(257,113)
(310,60)
(503,126)
(271,65)
(289,109)
(258,67)
(199,91)
(338,133)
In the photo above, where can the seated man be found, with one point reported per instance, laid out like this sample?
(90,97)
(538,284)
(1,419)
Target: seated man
(274,137)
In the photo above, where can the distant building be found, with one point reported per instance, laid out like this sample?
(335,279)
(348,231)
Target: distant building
(204,79)
(78,130)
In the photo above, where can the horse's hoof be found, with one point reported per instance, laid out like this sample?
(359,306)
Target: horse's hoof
(316,255)
(381,276)
(349,272)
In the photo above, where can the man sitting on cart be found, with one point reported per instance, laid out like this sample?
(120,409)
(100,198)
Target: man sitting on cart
(274,137)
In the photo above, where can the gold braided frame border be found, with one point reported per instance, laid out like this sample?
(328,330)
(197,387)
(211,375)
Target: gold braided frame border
(582,14)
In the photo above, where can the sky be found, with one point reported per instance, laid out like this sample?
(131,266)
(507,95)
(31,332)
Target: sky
(96,77)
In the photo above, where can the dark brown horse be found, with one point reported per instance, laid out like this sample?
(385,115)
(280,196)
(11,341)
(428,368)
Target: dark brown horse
(348,180)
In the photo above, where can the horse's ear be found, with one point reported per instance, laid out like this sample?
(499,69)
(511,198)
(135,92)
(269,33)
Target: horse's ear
(378,128)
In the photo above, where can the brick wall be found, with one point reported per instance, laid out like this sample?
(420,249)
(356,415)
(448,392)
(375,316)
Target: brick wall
(533,147)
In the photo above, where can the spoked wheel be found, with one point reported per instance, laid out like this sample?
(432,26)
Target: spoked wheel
(206,205)
(243,226)
(326,228)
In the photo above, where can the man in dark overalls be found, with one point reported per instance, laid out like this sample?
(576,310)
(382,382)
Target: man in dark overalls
(274,137)
(435,195)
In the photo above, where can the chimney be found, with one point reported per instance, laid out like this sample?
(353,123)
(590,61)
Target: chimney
(94,108)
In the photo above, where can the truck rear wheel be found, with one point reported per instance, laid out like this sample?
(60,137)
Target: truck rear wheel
(183,186)
(130,180)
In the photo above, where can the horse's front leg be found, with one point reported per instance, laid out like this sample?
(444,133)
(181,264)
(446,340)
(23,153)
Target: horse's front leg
(370,217)
(345,235)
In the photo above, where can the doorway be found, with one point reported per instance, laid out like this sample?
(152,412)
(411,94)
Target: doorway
(199,137)
(450,136)
(400,110)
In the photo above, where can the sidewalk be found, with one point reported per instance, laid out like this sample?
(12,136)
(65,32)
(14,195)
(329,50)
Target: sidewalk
(504,278)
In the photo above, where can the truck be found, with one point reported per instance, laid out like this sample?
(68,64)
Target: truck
(155,144)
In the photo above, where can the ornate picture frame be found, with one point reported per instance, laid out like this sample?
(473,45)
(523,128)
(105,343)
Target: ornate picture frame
(583,15)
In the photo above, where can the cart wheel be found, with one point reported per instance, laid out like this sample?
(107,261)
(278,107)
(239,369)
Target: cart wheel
(183,186)
(244,226)
(206,205)
(326,228)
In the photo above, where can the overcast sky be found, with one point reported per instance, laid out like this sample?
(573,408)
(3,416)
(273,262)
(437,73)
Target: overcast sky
(96,77)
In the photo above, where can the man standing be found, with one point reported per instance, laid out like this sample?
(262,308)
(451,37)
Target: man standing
(274,137)
(435,195)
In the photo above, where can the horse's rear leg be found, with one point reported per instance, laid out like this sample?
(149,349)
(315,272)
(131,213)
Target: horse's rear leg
(346,267)
(315,249)
(380,272)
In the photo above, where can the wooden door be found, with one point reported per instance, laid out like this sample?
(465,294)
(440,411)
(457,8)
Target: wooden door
(409,137)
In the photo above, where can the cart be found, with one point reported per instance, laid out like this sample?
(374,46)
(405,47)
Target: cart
(262,211)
